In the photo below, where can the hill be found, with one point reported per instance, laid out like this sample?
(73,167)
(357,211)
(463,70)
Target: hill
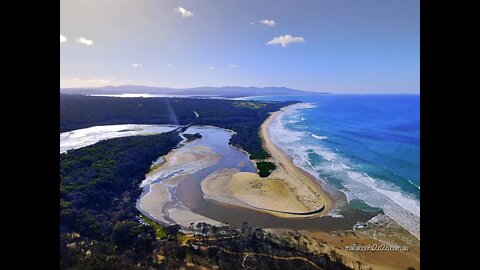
(227,91)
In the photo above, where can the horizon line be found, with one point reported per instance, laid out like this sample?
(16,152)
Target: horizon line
(250,86)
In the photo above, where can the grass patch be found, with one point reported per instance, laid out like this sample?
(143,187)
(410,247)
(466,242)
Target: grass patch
(159,229)
(181,238)
(265,168)
(156,166)
(250,105)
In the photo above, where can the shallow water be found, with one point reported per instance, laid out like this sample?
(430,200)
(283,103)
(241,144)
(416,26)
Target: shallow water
(87,136)
(367,146)
(190,194)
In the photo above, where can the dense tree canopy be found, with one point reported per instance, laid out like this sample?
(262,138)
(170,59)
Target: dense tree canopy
(243,117)
(100,184)
(265,168)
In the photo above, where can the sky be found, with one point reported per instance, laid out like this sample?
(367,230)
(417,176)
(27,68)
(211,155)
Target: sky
(338,46)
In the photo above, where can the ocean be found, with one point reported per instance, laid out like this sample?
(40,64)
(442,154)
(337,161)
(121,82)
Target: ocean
(367,146)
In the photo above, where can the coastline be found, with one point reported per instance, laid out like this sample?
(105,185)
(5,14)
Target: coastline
(155,200)
(338,240)
(286,166)
(289,192)
(229,188)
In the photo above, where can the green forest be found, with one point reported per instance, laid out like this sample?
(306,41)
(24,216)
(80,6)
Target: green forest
(99,185)
(243,117)
(100,227)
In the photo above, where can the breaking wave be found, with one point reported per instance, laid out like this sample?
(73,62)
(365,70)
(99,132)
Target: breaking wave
(403,207)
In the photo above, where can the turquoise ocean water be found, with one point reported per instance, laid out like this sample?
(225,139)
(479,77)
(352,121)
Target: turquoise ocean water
(367,146)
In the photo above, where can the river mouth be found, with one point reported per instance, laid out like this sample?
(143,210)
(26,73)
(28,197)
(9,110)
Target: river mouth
(186,196)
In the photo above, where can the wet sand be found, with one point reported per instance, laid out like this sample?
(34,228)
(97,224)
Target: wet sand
(158,200)
(226,194)
(216,187)
(300,182)
(157,197)
(287,190)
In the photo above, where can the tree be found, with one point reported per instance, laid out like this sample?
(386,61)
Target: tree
(124,233)
(172,230)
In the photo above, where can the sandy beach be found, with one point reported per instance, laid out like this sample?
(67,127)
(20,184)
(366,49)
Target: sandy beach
(246,189)
(287,192)
(291,189)
(287,189)
(176,166)
(299,181)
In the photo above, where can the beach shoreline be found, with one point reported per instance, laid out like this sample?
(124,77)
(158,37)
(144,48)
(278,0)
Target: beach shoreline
(289,192)
(228,187)
(285,162)
(340,239)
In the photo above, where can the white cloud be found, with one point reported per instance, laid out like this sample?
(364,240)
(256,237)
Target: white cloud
(285,40)
(85,41)
(233,66)
(182,11)
(63,38)
(211,68)
(268,22)
(135,65)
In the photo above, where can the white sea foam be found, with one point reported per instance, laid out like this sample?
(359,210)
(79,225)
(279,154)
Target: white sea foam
(413,184)
(300,106)
(330,156)
(318,137)
(282,134)
(87,136)
(378,219)
(402,207)
(344,166)
(335,214)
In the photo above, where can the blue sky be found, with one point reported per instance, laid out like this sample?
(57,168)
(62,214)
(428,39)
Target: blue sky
(344,46)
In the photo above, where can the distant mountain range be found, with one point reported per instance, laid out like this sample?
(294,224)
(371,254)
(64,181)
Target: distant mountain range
(227,91)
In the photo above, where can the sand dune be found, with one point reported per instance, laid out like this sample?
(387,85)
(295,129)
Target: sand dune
(287,189)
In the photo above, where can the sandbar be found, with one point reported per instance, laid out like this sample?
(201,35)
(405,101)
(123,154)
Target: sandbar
(288,192)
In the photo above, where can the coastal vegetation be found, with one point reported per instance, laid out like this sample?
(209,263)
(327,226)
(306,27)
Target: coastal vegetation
(192,137)
(99,184)
(159,230)
(265,168)
(102,229)
(248,104)
(260,155)
(243,117)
